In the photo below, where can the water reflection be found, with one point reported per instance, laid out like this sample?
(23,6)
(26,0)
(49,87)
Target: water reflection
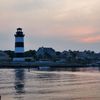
(53,84)
(19,81)
(72,69)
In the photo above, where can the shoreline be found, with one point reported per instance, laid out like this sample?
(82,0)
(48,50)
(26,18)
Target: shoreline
(42,64)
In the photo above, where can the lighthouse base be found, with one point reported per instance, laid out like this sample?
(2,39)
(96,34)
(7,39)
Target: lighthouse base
(18,59)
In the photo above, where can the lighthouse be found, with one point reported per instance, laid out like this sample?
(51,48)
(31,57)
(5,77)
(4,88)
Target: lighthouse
(19,45)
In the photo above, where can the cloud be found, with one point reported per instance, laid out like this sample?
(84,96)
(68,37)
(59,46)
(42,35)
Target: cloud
(93,39)
(61,21)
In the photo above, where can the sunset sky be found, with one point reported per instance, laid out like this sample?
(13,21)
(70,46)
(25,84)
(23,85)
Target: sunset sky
(60,24)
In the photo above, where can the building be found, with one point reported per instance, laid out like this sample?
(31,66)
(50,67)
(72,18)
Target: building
(19,45)
(44,53)
(4,57)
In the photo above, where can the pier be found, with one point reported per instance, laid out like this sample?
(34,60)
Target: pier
(37,64)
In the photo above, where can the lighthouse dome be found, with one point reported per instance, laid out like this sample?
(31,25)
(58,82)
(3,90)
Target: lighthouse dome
(19,33)
(19,28)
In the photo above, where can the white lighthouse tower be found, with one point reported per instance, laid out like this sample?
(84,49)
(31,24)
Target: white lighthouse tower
(19,45)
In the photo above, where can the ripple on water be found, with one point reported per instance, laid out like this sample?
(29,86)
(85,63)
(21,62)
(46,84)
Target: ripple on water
(24,85)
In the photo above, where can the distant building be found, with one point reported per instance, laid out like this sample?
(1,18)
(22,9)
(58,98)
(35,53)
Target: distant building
(44,53)
(4,57)
(28,59)
(84,56)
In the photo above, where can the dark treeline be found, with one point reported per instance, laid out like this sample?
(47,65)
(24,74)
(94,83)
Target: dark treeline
(82,57)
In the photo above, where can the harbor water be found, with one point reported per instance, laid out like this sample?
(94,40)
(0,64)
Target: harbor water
(50,84)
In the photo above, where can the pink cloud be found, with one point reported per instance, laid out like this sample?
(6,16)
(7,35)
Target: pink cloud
(75,33)
(92,39)
(82,30)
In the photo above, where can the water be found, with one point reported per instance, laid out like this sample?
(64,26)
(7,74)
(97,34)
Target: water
(72,84)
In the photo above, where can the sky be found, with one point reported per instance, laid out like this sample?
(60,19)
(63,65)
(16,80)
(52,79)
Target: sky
(60,24)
